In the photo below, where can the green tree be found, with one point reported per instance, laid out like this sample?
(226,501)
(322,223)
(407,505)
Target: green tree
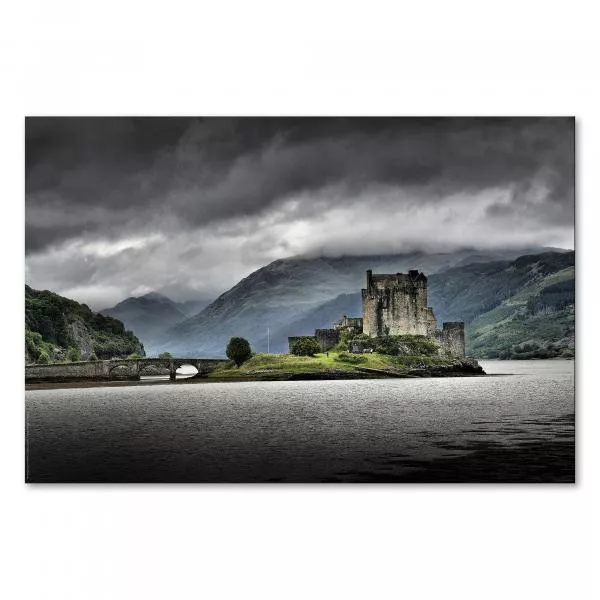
(73,354)
(238,350)
(305,346)
(165,355)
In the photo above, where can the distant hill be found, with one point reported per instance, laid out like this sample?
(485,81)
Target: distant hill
(149,316)
(290,290)
(56,326)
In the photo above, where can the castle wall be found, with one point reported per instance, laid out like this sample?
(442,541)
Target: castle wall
(351,324)
(452,339)
(327,338)
(371,324)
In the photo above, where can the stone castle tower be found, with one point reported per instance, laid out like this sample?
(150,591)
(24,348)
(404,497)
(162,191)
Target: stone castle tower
(397,305)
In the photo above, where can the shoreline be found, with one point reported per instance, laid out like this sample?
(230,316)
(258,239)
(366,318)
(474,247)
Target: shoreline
(193,380)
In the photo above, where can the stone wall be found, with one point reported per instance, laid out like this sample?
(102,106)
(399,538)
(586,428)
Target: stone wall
(327,338)
(350,324)
(452,339)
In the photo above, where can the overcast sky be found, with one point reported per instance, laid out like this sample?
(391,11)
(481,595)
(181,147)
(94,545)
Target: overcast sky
(122,206)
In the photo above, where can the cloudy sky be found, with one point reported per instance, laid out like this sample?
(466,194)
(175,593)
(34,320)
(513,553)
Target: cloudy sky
(188,206)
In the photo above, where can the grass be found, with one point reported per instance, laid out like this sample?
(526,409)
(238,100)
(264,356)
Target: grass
(265,365)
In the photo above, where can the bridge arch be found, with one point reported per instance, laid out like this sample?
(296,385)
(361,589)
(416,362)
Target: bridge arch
(124,368)
(152,369)
(186,368)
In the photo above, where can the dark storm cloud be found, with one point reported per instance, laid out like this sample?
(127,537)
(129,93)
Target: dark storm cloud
(115,176)
(189,206)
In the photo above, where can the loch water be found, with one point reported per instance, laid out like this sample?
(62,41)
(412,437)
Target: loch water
(515,425)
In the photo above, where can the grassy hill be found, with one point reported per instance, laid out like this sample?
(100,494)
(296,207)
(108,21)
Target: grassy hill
(57,328)
(538,321)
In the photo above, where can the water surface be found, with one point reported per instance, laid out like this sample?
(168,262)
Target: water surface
(517,426)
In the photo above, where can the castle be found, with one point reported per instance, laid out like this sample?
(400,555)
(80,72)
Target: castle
(396,305)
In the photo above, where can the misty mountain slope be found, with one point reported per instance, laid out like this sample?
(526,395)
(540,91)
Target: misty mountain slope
(288,290)
(505,304)
(148,317)
(462,293)
(322,317)
(541,314)
(457,294)
(192,307)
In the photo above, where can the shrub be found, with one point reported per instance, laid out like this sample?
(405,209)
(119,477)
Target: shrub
(350,358)
(135,355)
(238,350)
(165,355)
(93,357)
(43,358)
(305,346)
(405,345)
(73,354)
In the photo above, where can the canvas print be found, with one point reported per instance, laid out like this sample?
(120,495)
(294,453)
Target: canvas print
(299,300)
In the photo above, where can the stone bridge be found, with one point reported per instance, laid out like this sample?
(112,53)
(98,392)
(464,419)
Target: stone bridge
(129,368)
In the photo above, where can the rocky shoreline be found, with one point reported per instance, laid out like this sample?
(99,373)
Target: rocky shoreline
(466,367)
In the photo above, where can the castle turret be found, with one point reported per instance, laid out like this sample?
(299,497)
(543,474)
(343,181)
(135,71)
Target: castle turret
(452,338)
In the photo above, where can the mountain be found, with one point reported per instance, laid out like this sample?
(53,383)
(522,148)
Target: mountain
(463,293)
(57,327)
(192,307)
(530,306)
(289,290)
(505,305)
(322,317)
(149,316)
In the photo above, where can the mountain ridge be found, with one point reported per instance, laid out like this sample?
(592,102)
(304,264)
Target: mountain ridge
(288,289)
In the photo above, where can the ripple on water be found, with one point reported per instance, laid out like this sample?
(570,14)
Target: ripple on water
(514,428)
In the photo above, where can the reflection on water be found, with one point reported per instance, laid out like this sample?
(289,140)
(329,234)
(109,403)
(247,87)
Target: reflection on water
(516,426)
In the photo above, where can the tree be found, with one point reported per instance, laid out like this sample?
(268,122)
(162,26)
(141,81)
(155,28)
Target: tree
(238,350)
(305,346)
(165,355)
(73,354)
